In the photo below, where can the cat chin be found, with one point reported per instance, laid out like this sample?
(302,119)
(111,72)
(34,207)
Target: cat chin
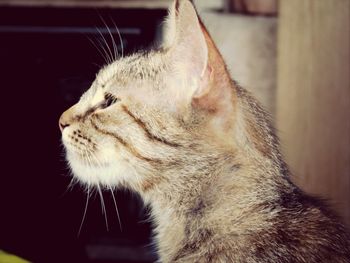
(106,174)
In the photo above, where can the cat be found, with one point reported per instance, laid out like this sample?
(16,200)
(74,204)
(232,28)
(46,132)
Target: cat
(173,126)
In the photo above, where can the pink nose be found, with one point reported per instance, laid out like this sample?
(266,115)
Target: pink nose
(62,125)
(66,119)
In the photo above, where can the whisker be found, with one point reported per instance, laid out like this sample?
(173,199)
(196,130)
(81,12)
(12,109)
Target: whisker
(92,154)
(87,159)
(103,206)
(85,210)
(94,44)
(103,55)
(110,55)
(112,38)
(120,37)
(71,185)
(116,208)
(102,44)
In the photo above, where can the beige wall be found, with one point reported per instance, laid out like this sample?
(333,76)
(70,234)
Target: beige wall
(313,105)
(248,45)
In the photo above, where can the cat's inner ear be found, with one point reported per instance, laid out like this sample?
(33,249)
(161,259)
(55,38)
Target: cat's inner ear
(186,41)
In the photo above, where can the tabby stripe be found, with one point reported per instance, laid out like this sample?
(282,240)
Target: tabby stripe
(148,133)
(86,114)
(130,148)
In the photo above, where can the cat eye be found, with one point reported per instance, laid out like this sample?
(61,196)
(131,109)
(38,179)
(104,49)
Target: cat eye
(109,100)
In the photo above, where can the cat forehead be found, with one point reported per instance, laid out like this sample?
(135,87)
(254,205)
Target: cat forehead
(137,67)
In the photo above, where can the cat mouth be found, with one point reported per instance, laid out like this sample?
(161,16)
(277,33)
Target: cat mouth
(82,148)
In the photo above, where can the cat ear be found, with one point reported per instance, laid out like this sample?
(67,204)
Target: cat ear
(197,60)
(185,40)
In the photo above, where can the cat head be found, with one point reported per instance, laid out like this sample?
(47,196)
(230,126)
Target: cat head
(145,115)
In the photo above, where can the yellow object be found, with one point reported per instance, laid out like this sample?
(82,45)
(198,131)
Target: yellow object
(8,258)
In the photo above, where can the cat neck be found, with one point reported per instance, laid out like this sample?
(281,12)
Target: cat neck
(176,206)
(200,203)
(221,186)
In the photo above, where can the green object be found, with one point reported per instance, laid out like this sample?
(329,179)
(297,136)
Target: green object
(8,258)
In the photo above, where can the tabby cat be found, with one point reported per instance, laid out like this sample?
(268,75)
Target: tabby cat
(173,126)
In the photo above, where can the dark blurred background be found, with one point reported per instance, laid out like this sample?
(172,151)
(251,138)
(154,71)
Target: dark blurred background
(47,61)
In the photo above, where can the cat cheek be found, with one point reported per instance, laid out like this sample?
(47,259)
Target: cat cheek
(67,141)
(65,136)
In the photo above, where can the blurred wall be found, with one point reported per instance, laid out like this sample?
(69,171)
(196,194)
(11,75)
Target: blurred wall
(313,113)
(248,45)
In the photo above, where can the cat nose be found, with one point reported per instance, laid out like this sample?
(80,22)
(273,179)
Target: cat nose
(63,122)
(65,119)
(62,125)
